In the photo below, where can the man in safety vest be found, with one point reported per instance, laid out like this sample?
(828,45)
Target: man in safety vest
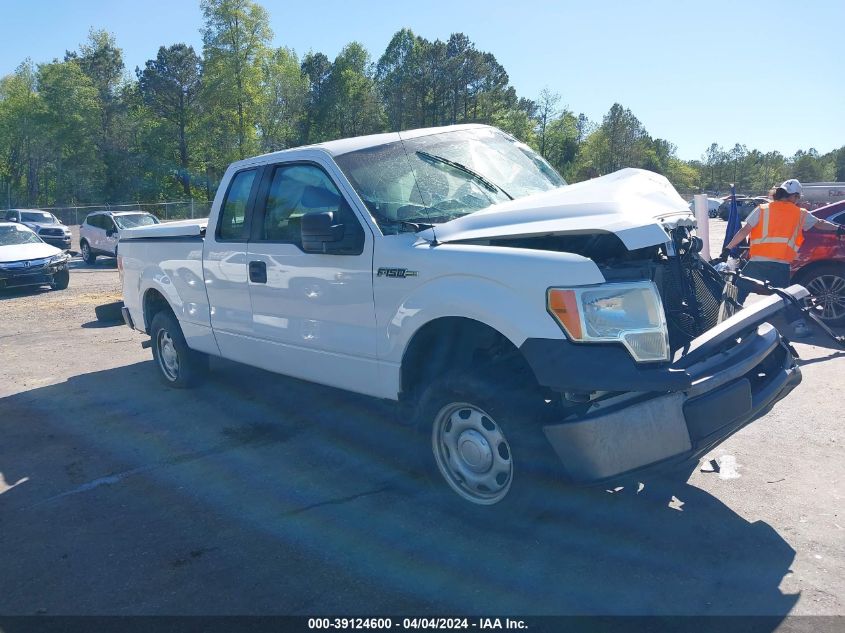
(776,231)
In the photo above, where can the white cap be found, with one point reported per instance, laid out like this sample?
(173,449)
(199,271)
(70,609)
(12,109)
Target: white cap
(791,186)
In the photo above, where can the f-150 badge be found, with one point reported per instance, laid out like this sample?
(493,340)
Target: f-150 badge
(396,272)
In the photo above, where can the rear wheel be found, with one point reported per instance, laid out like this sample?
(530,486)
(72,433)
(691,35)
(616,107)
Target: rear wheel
(179,366)
(87,254)
(827,284)
(486,442)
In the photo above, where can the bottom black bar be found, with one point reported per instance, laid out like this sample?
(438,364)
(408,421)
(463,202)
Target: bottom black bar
(532,624)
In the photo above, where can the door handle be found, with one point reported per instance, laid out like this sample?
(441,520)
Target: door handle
(258,272)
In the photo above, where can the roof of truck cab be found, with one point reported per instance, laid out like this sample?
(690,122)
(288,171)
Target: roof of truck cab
(346,145)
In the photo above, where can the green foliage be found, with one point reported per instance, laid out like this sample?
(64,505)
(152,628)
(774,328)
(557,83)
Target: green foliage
(70,124)
(284,100)
(80,130)
(169,86)
(236,36)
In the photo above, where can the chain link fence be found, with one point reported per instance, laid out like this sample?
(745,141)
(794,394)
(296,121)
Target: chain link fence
(178,210)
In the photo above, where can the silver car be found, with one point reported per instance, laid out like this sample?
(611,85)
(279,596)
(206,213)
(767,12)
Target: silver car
(46,225)
(99,233)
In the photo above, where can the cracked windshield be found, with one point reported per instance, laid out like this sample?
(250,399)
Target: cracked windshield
(426,180)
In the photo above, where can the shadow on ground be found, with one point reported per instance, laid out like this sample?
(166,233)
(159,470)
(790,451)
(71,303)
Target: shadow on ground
(257,494)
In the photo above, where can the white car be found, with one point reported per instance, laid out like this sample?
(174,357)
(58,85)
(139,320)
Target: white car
(712,206)
(99,233)
(26,260)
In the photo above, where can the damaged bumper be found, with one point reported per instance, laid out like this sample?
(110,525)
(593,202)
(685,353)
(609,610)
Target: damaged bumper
(729,376)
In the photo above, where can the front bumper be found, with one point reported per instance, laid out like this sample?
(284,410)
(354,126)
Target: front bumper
(31,276)
(729,376)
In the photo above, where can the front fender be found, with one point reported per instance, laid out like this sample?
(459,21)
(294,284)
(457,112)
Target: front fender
(484,300)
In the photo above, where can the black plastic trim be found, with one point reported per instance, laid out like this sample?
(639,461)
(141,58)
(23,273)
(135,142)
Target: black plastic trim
(566,366)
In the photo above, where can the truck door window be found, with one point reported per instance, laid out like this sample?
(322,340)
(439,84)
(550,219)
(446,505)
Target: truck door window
(298,189)
(232,223)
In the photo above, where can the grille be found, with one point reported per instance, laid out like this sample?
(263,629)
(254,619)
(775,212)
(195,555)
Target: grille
(52,232)
(26,280)
(691,300)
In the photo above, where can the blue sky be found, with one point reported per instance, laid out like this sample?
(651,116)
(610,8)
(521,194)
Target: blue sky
(765,74)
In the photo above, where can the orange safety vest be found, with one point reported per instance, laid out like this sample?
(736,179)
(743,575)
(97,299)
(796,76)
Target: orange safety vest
(778,233)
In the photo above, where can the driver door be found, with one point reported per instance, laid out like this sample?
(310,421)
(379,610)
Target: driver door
(313,311)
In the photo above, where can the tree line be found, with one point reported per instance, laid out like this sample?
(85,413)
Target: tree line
(84,130)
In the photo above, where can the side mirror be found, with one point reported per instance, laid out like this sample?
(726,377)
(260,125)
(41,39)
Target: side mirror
(320,233)
(111,232)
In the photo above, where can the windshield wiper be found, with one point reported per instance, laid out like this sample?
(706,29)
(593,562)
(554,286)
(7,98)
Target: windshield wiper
(490,186)
(417,226)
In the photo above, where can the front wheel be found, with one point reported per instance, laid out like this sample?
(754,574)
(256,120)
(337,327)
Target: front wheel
(61,279)
(179,366)
(486,441)
(88,255)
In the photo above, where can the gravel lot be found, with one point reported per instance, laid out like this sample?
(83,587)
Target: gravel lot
(257,494)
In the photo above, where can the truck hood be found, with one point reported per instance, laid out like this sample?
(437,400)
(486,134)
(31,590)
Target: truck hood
(23,252)
(635,204)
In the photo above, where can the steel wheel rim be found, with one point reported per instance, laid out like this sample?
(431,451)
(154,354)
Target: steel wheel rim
(472,453)
(168,357)
(829,291)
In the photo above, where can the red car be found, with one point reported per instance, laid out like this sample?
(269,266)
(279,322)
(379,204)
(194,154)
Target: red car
(820,265)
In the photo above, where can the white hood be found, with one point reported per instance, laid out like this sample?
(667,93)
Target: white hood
(21,252)
(632,203)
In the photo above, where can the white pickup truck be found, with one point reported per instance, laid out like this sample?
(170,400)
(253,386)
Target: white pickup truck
(522,324)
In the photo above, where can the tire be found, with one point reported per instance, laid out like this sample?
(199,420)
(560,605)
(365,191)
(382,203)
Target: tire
(109,312)
(61,280)
(179,366)
(827,284)
(88,255)
(486,448)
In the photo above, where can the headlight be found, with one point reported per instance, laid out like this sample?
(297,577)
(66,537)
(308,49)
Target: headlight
(58,259)
(628,313)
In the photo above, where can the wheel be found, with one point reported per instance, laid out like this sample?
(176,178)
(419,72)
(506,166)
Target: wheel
(87,255)
(179,366)
(827,284)
(61,280)
(486,441)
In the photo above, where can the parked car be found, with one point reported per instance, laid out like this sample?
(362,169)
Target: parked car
(525,327)
(712,206)
(26,260)
(744,205)
(820,265)
(48,227)
(99,233)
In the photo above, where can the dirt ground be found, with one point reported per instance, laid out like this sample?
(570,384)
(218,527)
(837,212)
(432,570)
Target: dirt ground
(257,494)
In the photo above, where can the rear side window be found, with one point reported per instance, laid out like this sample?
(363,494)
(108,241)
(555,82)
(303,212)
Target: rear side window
(232,223)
